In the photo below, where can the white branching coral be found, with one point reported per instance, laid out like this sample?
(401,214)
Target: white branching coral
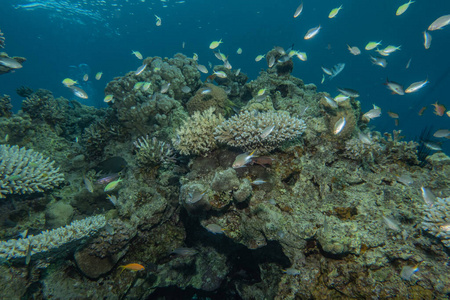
(437,220)
(259,131)
(196,136)
(151,152)
(25,171)
(53,239)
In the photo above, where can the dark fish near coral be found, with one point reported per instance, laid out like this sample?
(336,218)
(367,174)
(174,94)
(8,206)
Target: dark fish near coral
(182,251)
(111,165)
(10,63)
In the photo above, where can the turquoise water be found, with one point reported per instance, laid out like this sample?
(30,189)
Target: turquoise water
(57,37)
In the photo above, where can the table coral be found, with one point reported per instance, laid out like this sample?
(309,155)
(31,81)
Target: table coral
(25,171)
(245,130)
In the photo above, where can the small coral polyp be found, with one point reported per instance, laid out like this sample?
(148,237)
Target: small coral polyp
(246,130)
(25,171)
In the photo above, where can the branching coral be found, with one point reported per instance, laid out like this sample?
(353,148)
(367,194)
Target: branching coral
(196,136)
(437,220)
(363,148)
(151,152)
(53,239)
(398,150)
(25,171)
(248,130)
(5,106)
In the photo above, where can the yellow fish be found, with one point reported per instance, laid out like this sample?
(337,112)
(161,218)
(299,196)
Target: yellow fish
(259,57)
(98,75)
(261,92)
(158,21)
(402,8)
(137,54)
(334,12)
(372,45)
(112,185)
(108,98)
(69,82)
(215,44)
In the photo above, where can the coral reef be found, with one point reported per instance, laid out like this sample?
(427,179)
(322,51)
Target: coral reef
(53,239)
(151,152)
(25,171)
(24,91)
(246,130)
(196,135)
(437,220)
(216,98)
(5,106)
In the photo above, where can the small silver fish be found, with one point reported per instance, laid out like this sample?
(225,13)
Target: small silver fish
(427,39)
(391,223)
(206,91)
(375,112)
(112,199)
(165,87)
(182,251)
(89,185)
(140,70)
(414,87)
(312,32)
(379,61)
(331,102)
(394,87)
(258,181)
(327,71)
(80,93)
(202,69)
(340,124)
(185,89)
(292,272)
(214,228)
(243,159)
(439,23)
(442,133)
(408,271)
(349,92)
(405,179)
(428,196)
(433,146)
(364,138)
(10,63)
(267,131)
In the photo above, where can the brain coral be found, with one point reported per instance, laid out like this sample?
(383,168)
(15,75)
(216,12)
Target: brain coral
(437,220)
(246,130)
(25,171)
(196,136)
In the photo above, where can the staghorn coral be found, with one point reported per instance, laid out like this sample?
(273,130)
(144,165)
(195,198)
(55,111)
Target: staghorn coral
(196,136)
(244,130)
(437,220)
(151,152)
(53,239)
(25,171)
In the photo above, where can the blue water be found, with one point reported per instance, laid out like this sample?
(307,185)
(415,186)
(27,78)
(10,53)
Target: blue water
(65,38)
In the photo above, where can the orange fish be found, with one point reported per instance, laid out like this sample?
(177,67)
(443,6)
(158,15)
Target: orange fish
(132,267)
(422,110)
(439,109)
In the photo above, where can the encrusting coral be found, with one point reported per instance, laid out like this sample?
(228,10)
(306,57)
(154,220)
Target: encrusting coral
(25,171)
(53,239)
(216,98)
(151,152)
(196,136)
(246,130)
(437,220)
